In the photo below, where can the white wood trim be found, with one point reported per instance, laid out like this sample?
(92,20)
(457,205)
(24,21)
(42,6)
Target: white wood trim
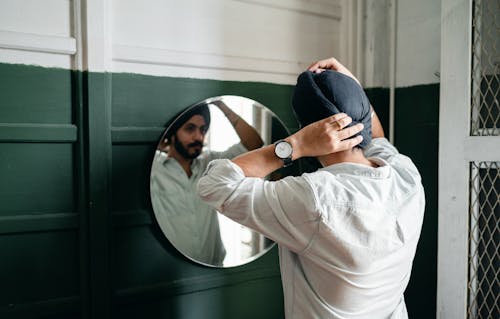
(76,31)
(37,42)
(156,56)
(349,36)
(96,36)
(327,9)
(482,148)
(360,41)
(393,36)
(454,167)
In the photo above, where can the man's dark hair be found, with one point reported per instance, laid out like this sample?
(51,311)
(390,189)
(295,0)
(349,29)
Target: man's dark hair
(181,118)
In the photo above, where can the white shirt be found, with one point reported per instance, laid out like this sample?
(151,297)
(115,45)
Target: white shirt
(347,233)
(189,223)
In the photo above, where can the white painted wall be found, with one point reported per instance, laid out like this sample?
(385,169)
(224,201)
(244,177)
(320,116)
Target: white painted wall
(417,42)
(251,40)
(245,40)
(37,32)
(376,44)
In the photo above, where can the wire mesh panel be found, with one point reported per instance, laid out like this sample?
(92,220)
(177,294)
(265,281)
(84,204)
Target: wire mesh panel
(484,217)
(485,115)
(484,241)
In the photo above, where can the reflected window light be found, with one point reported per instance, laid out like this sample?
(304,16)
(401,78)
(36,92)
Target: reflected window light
(235,240)
(225,135)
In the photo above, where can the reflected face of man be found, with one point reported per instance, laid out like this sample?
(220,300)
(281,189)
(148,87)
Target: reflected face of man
(188,140)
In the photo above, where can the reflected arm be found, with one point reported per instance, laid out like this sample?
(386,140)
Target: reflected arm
(249,137)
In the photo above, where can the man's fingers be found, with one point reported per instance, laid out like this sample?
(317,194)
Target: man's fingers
(323,64)
(350,131)
(350,143)
(343,122)
(312,67)
(334,118)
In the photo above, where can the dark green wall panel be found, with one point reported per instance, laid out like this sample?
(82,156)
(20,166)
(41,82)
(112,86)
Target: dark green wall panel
(36,178)
(40,255)
(38,267)
(142,100)
(35,95)
(143,256)
(227,302)
(96,155)
(379,99)
(416,135)
(131,176)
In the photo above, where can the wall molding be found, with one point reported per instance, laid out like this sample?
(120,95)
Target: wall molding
(29,133)
(193,284)
(132,218)
(159,56)
(325,9)
(37,42)
(38,222)
(41,307)
(135,135)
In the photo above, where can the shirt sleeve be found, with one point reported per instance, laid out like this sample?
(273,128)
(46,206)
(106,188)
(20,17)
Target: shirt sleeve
(231,152)
(284,211)
(382,148)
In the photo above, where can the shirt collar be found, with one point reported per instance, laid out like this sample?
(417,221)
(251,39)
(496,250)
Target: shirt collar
(382,171)
(195,165)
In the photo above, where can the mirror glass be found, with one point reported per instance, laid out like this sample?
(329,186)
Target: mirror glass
(218,127)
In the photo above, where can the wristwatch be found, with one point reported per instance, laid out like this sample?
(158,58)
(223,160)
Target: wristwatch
(283,151)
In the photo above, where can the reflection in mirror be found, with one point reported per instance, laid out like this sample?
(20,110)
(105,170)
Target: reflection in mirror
(219,127)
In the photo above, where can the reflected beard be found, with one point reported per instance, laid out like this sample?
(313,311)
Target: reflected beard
(185,152)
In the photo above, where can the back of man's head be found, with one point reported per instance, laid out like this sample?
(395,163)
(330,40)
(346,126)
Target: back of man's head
(179,120)
(320,95)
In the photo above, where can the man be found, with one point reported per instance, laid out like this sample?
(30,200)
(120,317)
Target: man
(190,224)
(185,137)
(347,233)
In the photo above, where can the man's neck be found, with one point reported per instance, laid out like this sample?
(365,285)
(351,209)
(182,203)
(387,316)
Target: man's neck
(354,155)
(184,162)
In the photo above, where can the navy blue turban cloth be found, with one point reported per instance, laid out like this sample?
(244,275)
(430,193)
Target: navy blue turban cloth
(320,95)
(179,120)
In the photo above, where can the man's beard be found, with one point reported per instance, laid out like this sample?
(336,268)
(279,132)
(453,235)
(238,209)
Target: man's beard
(185,152)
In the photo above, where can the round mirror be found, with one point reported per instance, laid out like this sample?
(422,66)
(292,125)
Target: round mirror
(219,127)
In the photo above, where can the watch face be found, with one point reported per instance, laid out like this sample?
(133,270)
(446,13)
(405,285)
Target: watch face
(283,149)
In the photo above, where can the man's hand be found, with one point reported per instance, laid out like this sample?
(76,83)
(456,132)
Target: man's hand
(331,64)
(319,138)
(325,137)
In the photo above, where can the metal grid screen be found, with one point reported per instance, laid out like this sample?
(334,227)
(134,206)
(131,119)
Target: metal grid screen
(484,241)
(485,111)
(484,216)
